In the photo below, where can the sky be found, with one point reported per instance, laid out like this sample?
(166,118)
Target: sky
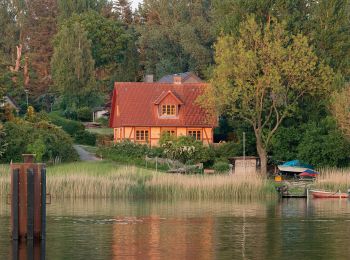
(135,3)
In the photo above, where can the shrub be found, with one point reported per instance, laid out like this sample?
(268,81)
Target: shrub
(84,114)
(184,149)
(43,138)
(69,126)
(221,167)
(103,121)
(85,137)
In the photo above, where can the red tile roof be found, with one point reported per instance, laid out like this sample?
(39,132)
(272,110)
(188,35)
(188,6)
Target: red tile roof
(133,104)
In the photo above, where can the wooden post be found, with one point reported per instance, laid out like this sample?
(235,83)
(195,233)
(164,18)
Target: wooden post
(43,204)
(28,200)
(30,204)
(14,204)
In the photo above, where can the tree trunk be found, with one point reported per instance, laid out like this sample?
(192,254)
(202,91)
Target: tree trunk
(262,154)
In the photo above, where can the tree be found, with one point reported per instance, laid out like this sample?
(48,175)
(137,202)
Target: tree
(340,108)
(3,143)
(261,76)
(73,67)
(124,11)
(324,22)
(39,29)
(330,33)
(69,7)
(175,36)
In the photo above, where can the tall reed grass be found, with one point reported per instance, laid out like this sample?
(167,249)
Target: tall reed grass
(105,180)
(333,179)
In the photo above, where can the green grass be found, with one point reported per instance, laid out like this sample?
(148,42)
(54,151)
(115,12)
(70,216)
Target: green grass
(106,180)
(101,131)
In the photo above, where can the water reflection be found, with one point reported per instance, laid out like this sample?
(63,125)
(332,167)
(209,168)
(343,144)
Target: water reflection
(28,250)
(109,229)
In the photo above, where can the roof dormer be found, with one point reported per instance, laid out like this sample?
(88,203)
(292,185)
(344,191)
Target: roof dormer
(168,105)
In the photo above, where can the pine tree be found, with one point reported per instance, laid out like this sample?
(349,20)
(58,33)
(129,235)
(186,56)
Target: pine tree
(40,27)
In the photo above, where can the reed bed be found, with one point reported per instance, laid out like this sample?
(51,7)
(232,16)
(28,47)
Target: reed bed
(333,179)
(108,180)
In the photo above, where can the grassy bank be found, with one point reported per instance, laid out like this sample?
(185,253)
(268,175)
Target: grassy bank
(105,179)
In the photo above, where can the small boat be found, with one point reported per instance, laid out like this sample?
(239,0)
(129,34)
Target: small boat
(309,174)
(294,167)
(329,194)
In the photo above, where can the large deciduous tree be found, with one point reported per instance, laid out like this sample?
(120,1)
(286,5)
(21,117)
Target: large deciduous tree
(175,36)
(73,66)
(261,75)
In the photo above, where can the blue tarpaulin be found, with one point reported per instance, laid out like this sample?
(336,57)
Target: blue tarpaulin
(297,163)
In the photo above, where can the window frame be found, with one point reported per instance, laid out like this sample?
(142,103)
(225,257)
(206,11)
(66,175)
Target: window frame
(168,110)
(197,134)
(142,135)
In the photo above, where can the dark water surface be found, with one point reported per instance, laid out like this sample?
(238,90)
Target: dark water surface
(112,229)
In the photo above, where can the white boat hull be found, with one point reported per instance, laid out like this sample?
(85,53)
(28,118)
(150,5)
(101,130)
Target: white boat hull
(291,169)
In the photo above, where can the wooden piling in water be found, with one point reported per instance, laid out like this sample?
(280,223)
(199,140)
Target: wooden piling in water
(28,200)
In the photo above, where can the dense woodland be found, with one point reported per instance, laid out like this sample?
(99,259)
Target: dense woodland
(292,56)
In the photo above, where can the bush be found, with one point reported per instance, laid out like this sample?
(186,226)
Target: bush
(85,137)
(43,138)
(184,149)
(84,114)
(69,126)
(221,167)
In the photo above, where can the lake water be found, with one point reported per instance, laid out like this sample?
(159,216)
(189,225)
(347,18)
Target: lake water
(112,229)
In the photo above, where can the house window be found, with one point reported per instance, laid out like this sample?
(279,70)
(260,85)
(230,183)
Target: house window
(142,135)
(170,132)
(196,134)
(168,110)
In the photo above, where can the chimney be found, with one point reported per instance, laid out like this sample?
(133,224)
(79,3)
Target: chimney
(149,78)
(177,79)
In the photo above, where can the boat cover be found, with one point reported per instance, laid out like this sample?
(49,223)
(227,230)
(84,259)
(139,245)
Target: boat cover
(297,163)
(309,173)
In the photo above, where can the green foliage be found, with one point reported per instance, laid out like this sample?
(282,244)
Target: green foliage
(133,154)
(38,148)
(69,126)
(176,36)
(318,143)
(221,167)
(3,143)
(184,149)
(130,149)
(330,33)
(84,114)
(324,145)
(85,137)
(43,138)
(69,7)
(73,67)
(261,76)
(108,38)
(284,145)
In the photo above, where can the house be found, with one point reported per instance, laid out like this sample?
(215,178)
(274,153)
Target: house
(186,77)
(142,111)
(9,101)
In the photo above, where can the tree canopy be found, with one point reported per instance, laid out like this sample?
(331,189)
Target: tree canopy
(261,75)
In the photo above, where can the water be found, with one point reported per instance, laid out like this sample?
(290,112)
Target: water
(112,229)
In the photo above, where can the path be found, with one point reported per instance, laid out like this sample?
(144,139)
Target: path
(85,155)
